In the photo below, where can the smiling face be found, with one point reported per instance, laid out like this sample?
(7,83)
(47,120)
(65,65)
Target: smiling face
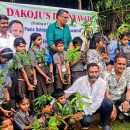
(17,30)
(120,65)
(3,25)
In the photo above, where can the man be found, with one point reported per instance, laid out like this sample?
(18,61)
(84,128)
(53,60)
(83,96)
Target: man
(59,30)
(16,28)
(93,87)
(119,85)
(6,39)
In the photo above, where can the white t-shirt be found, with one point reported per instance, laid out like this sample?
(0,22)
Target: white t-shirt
(7,42)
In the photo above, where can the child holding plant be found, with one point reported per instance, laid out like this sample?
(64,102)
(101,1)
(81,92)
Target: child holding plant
(26,75)
(77,66)
(63,109)
(63,77)
(43,65)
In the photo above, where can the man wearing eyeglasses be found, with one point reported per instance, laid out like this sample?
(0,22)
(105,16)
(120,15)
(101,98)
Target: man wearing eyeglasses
(59,30)
(6,38)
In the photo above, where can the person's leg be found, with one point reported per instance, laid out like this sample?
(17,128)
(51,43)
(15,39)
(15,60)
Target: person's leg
(86,121)
(105,111)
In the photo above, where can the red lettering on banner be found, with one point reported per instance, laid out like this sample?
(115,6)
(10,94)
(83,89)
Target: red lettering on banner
(17,13)
(23,13)
(48,15)
(30,14)
(54,16)
(10,12)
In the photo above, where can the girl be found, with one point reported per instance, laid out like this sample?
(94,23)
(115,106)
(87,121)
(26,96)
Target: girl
(43,65)
(5,55)
(26,74)
(6,123)
(22,118)
(124,47)
(94,54)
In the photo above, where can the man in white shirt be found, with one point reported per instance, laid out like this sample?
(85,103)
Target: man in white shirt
(6,38)
(93,87)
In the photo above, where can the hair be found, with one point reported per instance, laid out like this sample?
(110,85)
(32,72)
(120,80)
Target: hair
(77,40)
(107,32)
(122,35)
(60,12)
(120,55)
(58,93)
(19,40)
(33,37)
(4,17)
(3,118)
(15,21)
(92,65)
(20,98)
(97,37)
(58,41)
(7,53)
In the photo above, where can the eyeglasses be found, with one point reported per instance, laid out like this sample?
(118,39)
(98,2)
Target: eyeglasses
(65,17)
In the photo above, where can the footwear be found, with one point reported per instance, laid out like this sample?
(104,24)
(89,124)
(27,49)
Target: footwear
(85,128)
(107,127)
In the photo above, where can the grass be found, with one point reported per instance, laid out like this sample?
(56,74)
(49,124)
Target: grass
(120,126)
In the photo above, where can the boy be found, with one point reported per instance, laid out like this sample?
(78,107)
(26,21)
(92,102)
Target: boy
(77,67)
(63,109)
(62,66)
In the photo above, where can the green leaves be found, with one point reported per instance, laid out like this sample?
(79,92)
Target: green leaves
(40,57)
(36,125)
(73,55)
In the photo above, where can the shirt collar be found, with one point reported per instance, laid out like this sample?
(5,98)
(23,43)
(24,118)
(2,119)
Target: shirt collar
(23,114)
(58,25)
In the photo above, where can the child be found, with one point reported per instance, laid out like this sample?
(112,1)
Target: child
(26,74)
(77,67)
(124,47)
(6,123)
(62,103)
(22,118)
(62,66)
(5,55)
(43,65)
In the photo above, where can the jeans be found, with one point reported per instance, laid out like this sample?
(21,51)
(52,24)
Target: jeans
(104,110)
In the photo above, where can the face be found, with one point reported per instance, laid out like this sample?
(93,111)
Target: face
(17,30)
(47,109)
(124,40)
(21,48)
(109,36)
(63,18)
(78,45)
(93,73)
(7,125)
(60,47)
(3,60)
(3,25)
(120,65)
(62,100)
(38,41)
(24,105)
(99,45)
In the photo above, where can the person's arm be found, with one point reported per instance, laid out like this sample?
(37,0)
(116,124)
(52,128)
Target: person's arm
(30,86)
(73,89)
(7,95)
(68,70)
(71,46)
(59,71)
(34,76)
(75,62)
(5,112)
(42,73)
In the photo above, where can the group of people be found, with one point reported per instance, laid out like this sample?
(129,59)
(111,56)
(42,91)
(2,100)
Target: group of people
(102,74)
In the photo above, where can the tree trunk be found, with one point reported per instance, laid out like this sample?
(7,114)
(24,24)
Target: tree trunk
(80,4)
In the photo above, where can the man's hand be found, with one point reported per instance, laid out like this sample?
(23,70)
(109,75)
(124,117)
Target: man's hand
(113,114)
(125,106)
